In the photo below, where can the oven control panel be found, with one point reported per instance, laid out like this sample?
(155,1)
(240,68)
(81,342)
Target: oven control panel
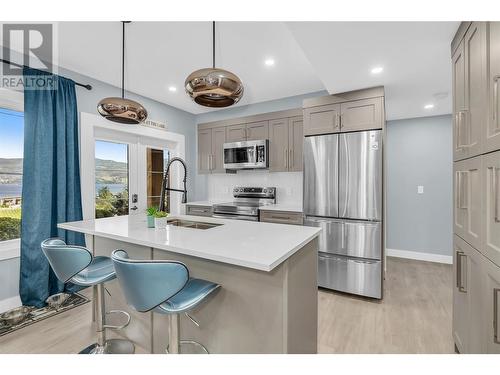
(257,192)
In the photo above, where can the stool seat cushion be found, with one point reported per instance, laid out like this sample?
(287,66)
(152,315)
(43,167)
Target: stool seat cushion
(193,293)
(98,271)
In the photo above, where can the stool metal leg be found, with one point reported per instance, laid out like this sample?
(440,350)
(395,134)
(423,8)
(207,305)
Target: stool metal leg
(173,333)
(103,346)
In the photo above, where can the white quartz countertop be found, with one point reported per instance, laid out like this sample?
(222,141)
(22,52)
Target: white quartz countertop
(256,245)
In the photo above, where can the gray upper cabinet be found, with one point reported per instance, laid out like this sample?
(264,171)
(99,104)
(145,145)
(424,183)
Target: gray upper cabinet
(492,132)
(204,150)
(286,138)
(278,145)
(474,114)
(236,133)
(322,120)
(256,131)
(362,114)
(458,81)
(218,140)
(469,64)
(296,143)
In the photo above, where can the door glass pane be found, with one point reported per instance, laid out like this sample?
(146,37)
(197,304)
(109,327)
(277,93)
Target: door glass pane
(157,160)
(111,179)
(11,172)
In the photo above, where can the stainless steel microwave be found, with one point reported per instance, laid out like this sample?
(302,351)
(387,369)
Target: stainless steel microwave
(246,155)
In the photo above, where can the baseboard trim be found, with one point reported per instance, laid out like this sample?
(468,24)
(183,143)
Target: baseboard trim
(417,255)
(10,303)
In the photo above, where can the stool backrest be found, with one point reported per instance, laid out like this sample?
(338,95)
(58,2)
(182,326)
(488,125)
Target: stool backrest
(148,283)
(66,260)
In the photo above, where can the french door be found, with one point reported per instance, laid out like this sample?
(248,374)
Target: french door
(127,173)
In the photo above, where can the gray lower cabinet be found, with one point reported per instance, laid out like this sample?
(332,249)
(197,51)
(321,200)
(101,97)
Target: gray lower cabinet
(281,217)
(491,305)
(322,120)
(286,138)
(362,114)
(196,210)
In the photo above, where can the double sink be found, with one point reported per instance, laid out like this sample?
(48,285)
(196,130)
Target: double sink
(192,224)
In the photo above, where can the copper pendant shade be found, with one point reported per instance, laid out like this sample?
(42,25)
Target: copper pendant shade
(214,87)
(124,111)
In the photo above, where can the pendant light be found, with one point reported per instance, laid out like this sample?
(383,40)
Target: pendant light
(214,87)
(122,110)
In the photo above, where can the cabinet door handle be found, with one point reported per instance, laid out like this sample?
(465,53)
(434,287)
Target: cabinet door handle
(285,157)
(337,121)
(460,285)
(246,132)
(496,338)
(461,193)
(457,131)
(291,158)
(494,187)
(495,101)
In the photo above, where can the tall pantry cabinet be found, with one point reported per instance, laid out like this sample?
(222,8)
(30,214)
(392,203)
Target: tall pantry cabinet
(475,57)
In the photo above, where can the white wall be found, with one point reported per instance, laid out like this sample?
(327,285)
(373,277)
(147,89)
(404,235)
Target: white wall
(288,184)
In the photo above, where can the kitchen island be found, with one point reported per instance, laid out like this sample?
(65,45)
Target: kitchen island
(268,274)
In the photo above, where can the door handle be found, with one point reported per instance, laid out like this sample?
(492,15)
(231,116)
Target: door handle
(290,158)
(286,157)
(460,190)
(496,338)
(494,187)
(133,208)
(459,274)
(495,101)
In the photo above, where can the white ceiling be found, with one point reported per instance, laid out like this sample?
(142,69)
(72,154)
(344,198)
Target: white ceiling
(415,56)
(310,56)
(161,54)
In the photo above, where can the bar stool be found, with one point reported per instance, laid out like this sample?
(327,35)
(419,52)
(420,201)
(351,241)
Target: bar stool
(77,265)
(164,287)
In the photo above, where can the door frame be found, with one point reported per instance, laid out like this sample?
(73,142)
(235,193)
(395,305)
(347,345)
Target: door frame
(93,126)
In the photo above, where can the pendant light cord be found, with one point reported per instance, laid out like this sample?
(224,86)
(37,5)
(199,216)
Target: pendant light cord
(213,44)
(123,59)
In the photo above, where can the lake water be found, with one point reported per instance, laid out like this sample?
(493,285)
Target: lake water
(14,190)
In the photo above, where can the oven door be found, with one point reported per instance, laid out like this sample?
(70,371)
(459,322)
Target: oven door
(246,155)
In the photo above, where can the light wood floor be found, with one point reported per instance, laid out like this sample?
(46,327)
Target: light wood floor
(414,317)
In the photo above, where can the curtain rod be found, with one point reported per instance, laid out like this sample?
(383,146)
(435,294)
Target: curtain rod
(88,87)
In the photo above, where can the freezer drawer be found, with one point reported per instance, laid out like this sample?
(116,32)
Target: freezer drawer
(350,275)
(348,237)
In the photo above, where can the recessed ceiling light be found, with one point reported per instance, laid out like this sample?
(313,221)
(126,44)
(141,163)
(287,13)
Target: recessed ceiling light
(429,106)
(172,89)
(269,62)
(377,70)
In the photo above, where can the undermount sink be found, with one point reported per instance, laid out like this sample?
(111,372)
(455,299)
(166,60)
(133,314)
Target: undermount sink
(192,224)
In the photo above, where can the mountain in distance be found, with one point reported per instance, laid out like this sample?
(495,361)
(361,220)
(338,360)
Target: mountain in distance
(107,171)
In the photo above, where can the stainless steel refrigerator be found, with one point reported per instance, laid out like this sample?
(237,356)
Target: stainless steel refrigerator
(343,195)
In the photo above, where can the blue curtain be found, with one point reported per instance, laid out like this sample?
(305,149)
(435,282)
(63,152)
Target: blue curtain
(51,182)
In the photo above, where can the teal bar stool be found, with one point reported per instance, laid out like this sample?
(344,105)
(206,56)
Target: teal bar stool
(164,287)
(77,265)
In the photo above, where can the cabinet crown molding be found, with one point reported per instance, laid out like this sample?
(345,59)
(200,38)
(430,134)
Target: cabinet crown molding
(372,92)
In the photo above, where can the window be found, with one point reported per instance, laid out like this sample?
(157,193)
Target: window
(111,179)
(11,173)
(157,160)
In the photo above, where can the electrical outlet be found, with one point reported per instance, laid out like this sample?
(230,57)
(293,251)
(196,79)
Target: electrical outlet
(420,189)
(288,191)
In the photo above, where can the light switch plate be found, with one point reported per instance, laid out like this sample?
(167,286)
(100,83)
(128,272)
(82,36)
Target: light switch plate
(420,189)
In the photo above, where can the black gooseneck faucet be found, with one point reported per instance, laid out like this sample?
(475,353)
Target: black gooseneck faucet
(164,184)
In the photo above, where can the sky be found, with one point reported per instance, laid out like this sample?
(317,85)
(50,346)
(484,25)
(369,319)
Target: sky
(11,133)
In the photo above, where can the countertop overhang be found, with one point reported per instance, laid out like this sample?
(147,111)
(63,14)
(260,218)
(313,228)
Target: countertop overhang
(256,245)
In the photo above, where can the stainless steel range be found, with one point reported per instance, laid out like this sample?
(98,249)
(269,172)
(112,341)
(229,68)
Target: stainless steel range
(246,203)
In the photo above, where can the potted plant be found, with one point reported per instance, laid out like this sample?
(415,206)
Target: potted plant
(160,219)
(150,212)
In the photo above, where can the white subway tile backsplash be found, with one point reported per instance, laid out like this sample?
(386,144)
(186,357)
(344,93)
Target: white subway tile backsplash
(288,184)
